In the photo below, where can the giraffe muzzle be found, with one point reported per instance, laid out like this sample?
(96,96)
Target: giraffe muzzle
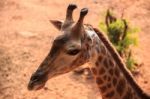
(37,81)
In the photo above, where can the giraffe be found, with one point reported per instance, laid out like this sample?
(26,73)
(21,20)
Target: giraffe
(79,44)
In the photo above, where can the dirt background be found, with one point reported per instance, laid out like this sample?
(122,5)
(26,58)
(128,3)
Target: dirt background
(26,36)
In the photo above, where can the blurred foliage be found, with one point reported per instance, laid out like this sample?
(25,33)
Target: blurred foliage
(130,62)
(123,36)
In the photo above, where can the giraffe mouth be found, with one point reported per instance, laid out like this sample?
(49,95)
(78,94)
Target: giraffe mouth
(35,86)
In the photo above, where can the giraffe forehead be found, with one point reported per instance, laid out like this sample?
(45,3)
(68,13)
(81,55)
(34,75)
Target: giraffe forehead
(73,44)
(61,40)
(65,43)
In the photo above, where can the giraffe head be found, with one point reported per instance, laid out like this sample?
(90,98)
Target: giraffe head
(66,51)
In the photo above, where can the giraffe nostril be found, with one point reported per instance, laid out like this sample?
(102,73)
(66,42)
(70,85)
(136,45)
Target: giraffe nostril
(35,78)
(38,78)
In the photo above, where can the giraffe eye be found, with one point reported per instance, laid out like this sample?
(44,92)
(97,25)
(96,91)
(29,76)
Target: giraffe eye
(73,52)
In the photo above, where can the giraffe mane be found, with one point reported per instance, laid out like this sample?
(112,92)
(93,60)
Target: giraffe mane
(121,64)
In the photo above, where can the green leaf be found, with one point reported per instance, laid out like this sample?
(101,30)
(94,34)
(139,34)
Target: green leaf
(115,32)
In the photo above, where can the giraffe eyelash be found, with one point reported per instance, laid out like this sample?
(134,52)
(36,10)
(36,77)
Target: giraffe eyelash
(73,52)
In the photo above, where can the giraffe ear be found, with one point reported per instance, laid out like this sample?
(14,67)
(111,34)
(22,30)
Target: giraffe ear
(57,23)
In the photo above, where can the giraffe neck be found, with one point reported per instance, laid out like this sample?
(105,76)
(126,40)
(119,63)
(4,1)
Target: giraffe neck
(110,79)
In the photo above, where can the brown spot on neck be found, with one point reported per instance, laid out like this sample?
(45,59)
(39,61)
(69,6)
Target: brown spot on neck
(99,60)
(103,89)
(99,80)
(111,72)
(121,86)
(103,49)
(94,71)
(111,62)
(106,63)
(110,94)
(114,81)
(109,85)
(128,95)
(117,72)
(101,71)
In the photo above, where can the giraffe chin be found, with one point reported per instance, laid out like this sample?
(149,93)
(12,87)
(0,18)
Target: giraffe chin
(39,87)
